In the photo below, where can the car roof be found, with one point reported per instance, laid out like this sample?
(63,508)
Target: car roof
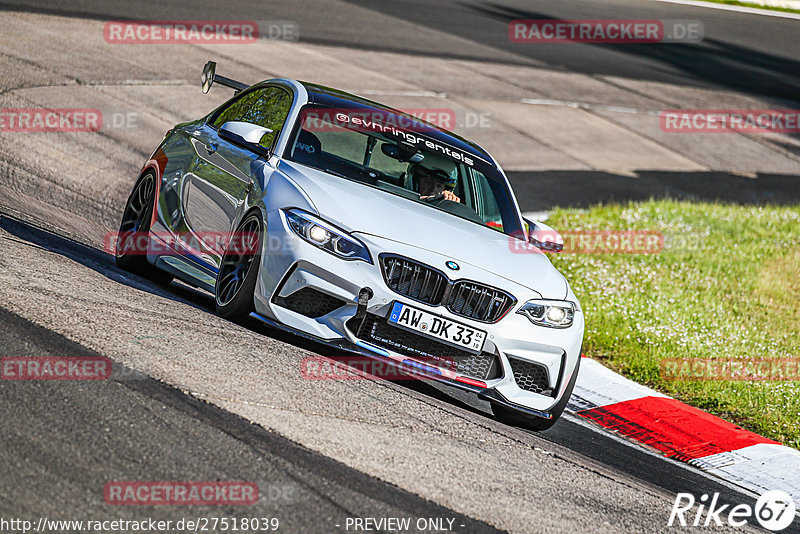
(327,96)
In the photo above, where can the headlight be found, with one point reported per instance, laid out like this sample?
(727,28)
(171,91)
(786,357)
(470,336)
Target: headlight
(326,236)
(552,313)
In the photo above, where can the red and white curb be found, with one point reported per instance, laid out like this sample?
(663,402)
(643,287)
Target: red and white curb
(684,433)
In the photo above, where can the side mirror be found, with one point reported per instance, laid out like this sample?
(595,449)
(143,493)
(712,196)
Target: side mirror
(543,237)
(245,134)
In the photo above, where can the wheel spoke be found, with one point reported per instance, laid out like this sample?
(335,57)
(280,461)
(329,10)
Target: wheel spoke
(237,262)
(230,289)
(225,279)
(140,197)
(246,267)
(228,262)
(133,218)
(228,285)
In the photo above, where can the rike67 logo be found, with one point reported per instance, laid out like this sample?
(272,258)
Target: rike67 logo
(774,510)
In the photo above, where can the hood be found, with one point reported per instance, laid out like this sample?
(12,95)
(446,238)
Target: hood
(362,209)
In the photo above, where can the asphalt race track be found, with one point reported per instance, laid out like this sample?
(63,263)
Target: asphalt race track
(143,429)
(135,427)
(194,397)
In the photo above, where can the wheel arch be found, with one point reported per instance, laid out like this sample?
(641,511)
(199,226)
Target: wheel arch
(156,164)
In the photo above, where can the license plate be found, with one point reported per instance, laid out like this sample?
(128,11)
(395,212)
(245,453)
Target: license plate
(430,325)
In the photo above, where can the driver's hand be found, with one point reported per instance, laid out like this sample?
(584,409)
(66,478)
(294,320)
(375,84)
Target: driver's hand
(449,195)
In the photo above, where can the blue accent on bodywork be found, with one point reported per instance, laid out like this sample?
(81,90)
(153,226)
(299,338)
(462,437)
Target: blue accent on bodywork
(372,348)
(422,367)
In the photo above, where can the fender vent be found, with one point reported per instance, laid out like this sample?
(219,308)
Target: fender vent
(531,376)
(310,302)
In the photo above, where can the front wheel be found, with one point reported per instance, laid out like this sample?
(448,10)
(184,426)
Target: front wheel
(514,418)
(238,272)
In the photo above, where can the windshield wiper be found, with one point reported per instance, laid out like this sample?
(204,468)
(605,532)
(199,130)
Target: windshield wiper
(369,178)
(336,173)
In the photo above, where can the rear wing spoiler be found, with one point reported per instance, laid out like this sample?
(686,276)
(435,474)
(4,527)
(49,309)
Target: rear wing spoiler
(210,76)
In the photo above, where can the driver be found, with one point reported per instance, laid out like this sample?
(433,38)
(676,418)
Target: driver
(433,182)
(435,186)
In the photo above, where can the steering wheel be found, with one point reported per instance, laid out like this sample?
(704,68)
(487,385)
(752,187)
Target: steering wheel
(434,198)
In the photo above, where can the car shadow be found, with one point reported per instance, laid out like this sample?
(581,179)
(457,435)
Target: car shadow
(103,264)
(716,62)
(544,190)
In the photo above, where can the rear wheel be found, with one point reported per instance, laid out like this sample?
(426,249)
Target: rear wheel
(132,239)
(238,272)
(514,418)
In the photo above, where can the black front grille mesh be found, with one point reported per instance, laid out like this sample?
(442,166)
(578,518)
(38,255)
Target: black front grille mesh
(425,284)
(530,376)
(375,330)
(476,301)
(414,280)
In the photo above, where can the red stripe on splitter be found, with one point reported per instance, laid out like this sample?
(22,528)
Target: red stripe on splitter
(672,427)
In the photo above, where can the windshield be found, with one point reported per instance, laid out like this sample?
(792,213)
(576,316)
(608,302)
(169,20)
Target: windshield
(392,153)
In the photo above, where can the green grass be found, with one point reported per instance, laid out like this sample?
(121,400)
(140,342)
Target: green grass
(726,285)
(750,4)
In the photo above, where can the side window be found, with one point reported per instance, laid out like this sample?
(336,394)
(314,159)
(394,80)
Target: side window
(267,107)
(485,202)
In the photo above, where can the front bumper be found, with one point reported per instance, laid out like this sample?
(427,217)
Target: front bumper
(290,264)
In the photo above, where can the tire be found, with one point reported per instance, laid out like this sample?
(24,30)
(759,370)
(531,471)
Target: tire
(514,418)
(136,221)
(238,271)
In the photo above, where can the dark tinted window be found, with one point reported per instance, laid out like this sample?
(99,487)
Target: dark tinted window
(332,141)
(267,107)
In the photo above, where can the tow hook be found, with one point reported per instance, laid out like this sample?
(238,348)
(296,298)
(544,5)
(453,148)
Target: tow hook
(364,294)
